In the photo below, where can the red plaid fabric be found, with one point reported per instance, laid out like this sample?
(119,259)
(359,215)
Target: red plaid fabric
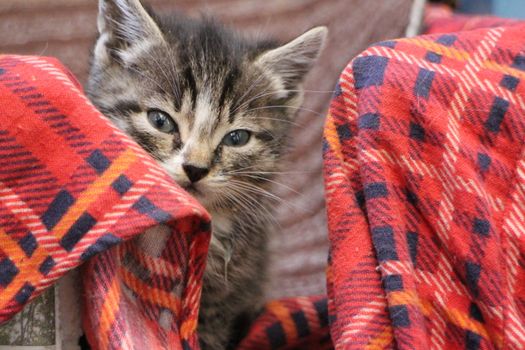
(293,323)
(425,179)
(72,186)
(75,190)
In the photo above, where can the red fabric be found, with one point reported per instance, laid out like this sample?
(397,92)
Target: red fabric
(425,180)
(75,190)
(71,186)
(293,323)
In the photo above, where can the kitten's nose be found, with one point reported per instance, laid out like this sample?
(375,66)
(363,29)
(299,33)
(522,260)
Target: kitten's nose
(195,173)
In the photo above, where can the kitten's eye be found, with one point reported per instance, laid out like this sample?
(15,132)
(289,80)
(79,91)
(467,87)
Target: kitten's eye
(162,121)
(236,138)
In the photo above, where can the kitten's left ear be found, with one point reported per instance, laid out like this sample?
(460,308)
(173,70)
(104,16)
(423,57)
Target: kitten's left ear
(124,27)
(292,61)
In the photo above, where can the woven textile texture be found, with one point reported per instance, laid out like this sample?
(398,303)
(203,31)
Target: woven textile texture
(292,323)
(72,186)
(425,178)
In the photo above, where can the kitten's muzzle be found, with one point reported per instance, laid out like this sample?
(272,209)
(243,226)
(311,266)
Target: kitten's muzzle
(195,173)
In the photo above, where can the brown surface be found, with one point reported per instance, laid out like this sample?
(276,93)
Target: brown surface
(66,29)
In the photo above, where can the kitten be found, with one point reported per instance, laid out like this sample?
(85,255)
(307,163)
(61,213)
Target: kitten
(214,109)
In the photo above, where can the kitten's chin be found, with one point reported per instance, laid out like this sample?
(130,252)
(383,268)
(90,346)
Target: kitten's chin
(192,189)
(198,192)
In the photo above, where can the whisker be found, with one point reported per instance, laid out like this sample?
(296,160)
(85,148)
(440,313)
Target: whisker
(284,106)
(258,190)
(246,202)
(245,168)
(254,205)
(243,104)
(241,171)
(168,75)
(273,182)
(250,88)
(282,120)
(140,73)
(265,93)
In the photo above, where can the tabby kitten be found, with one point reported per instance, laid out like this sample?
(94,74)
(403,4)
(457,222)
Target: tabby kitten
(214,109)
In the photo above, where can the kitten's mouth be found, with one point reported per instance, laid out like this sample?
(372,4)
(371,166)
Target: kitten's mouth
(198,192)
(191,188)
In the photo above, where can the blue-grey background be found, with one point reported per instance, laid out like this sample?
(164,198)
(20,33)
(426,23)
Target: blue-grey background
(502,8)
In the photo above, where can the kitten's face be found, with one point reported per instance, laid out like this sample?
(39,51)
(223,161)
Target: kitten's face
(213,109)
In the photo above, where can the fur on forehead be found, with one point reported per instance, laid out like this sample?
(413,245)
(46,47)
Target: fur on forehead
(129,32)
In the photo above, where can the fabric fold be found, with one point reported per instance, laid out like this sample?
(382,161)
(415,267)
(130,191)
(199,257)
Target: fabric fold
(76,190)
(424,156)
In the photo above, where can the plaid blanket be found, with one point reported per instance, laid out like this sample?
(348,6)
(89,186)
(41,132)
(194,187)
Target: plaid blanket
(72,186)
(425,178)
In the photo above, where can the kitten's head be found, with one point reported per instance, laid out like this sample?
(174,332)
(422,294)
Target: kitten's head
(213,108)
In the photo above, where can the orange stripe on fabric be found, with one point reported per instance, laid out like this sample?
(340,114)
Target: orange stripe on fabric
(504,69)
(152,295)
(97,188)
(330,134)
(462,320)
(409,297)
(455,316)
(382,341)
(28,267)
(188,328)
(108,312)
(283,314)
(440,49)
(307,306)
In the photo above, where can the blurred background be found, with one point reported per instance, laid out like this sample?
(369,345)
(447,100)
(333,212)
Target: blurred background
(66,29)
(501,8)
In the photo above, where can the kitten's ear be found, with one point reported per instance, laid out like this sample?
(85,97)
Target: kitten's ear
(125,27)
(292,61)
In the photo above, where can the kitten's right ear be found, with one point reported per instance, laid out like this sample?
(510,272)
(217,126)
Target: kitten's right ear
(125,29)
(291,62)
